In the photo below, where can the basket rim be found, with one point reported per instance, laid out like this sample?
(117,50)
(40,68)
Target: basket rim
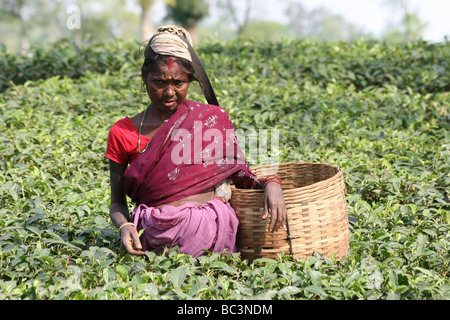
(337,171)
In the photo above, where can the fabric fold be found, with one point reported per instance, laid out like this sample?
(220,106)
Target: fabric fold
(193,228)
(206,134)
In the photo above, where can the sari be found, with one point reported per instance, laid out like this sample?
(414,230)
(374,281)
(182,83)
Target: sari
(195,150)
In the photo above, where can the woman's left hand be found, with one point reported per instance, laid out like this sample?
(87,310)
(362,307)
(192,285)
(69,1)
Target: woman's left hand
(275,204)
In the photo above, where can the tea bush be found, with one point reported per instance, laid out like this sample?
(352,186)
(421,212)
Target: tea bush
(379,111)
(422,66)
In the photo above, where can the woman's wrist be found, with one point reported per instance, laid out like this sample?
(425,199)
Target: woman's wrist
(126,224)
(261,183)
(272,178)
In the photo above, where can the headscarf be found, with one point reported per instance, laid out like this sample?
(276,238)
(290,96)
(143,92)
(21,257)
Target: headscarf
(167,40)
(176,41)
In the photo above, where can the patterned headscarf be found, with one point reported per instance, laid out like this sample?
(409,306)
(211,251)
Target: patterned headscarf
(167,41)
(176,41)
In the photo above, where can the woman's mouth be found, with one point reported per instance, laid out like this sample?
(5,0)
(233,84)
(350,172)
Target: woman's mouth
(170,103)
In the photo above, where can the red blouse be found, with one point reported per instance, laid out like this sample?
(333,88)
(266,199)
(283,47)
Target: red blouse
(122,144)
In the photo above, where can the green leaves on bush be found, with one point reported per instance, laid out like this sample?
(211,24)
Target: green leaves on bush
(379,111)
(423,67)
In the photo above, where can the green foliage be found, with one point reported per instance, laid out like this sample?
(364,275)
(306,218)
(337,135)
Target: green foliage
(422,67)
(65,59)
(188,13)
(380,112)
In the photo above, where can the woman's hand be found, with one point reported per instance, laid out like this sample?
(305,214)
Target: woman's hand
(130,240)
(275,204)
(119,211)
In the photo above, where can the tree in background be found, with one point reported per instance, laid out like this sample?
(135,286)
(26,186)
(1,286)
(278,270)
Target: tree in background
(410,28)
(34,22)
(319,23)
(188,14)
(25,23)
(146,20)
(245,19)
(232,11)
(104,20)
(24,15)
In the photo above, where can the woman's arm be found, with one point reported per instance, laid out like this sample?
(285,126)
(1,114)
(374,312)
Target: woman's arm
(119,210)
(273,197)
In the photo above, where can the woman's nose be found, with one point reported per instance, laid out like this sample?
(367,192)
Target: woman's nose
(169,91)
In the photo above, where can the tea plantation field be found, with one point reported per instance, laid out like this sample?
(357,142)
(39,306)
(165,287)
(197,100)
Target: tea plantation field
(379,111)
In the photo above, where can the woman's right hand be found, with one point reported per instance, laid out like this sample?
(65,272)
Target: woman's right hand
(119,211)
(130,240)
(275,204)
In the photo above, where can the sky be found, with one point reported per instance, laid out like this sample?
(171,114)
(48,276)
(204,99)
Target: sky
(372,16)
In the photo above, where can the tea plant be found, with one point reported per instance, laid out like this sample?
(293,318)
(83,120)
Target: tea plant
(379,111)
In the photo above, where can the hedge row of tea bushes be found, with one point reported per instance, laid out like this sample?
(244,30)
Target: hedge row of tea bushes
(379,111)
(64,59)
(422,66)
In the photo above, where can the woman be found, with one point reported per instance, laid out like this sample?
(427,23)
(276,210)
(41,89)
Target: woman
(173,160)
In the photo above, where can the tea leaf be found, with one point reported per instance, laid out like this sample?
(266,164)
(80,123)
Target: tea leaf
(177,276)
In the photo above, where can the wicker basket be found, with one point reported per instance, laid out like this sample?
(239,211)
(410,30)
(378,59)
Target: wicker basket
(317,213)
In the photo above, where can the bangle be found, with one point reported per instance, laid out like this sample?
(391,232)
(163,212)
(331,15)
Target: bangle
(272,178)
(256,182)
(126,224)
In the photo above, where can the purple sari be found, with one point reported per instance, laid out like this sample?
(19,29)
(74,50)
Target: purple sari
(193,228)
(194,151)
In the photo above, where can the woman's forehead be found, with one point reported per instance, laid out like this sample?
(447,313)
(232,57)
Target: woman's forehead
(172,69)
(171,65)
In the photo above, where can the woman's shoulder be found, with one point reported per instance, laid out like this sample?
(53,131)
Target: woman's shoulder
(207,108)
(124,124)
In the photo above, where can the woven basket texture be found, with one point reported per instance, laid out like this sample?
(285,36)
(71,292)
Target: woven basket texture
(317,213)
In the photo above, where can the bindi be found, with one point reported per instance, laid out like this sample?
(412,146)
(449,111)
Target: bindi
(169,64)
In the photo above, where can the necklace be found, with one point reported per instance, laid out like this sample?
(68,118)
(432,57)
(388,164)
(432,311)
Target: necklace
(140,132)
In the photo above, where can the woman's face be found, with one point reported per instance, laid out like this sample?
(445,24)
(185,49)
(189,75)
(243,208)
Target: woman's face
(167,87)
